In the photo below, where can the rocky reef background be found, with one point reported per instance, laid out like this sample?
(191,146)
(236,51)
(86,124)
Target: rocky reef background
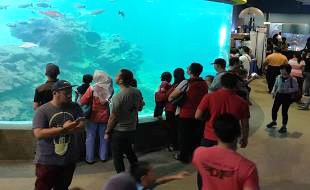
(72,46)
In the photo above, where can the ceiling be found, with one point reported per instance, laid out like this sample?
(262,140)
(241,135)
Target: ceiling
(281,6)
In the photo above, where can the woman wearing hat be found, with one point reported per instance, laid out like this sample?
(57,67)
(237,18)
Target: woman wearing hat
(98,97)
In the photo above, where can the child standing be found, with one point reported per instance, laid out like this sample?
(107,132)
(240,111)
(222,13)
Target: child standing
(160,95)
(284,89)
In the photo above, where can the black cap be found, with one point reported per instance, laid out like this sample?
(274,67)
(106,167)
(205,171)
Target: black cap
(220,61)
(61,85)
(52,70)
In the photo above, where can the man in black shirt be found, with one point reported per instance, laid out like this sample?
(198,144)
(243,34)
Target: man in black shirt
(43,93)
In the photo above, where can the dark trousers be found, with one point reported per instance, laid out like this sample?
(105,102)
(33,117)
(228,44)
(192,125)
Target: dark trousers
(271,75)
(191,131)
(205,143)
(122,143)
(172,130)
(53,177)
(285,101)
(300,81)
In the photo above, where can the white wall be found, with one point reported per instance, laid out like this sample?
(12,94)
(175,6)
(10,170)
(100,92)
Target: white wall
(290,18)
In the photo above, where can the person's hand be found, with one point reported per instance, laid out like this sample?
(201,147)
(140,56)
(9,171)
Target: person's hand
(70,124)
(106,136)
(182,175)
(243,142)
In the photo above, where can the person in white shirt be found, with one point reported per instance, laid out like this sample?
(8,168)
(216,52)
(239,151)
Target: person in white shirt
(245,58)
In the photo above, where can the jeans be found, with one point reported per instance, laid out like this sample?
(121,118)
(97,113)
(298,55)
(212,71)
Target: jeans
(285,101)
(191,131)
(53,177)
(92,130)
(121,143)
(172,129)
(306,85)
(271,75)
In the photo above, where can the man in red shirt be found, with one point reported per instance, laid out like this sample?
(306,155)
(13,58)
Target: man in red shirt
(222,101)
(221,167)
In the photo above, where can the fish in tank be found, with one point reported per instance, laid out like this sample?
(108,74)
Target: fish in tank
(146,36)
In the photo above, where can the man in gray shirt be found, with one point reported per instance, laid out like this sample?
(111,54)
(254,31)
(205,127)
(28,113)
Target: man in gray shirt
(220,67)
(123,120)
(55,125)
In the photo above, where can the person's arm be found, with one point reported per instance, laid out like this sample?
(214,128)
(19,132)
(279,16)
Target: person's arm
(40,133)
(174,94)
(252,181)
(116,104)
(167,179)
(86,97)
(202,112)
(244,132)
(111,124)
(36,100)
(275,87)
(35,105)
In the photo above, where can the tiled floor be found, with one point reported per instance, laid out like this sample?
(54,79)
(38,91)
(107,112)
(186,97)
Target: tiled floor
(283,161)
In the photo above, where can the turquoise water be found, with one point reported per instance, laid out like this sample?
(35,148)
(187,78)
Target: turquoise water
(146,36)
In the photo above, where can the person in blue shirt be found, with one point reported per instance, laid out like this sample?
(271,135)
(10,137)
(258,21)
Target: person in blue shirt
(141,177)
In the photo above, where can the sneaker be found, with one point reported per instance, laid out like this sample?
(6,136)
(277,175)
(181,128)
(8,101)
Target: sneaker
(303,108)
(90,163)
(283,130)
(270,125)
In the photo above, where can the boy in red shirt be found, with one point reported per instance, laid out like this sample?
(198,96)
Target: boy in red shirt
(221,167)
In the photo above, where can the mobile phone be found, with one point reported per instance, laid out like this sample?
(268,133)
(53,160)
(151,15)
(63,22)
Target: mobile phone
(80,119)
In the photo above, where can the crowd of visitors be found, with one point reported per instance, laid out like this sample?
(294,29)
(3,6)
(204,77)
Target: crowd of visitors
(206,119)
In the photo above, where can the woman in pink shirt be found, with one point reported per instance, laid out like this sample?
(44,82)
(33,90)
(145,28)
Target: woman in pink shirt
(297,68)
(98,95)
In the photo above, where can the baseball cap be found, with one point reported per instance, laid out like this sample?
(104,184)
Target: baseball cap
(61,85)
(220,61)
(51,70)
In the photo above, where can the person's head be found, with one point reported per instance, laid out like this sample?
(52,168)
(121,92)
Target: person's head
(195,69)
(245,49)
(284,39)
(234,64)
(234,51)
(277,49)
(227,129)
(219,64)
(285,70)
(243,73)
(166,76)
(101,77)
(178,75)
(143,174)
(229,81)
(87,79)
(62,92)
(124,78)
(52,71)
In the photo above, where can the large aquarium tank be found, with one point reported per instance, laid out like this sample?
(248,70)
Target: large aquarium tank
(145,36)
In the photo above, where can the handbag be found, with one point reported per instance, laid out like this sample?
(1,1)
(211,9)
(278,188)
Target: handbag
(180,100)
(295,96)
(87,108)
